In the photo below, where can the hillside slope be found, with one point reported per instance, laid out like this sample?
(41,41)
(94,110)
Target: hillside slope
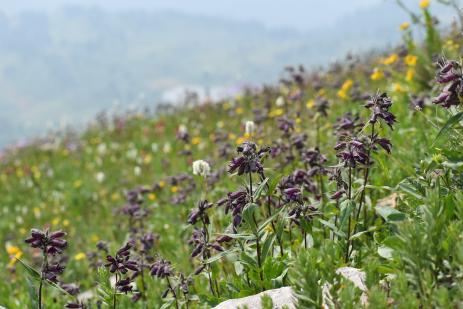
(328,173)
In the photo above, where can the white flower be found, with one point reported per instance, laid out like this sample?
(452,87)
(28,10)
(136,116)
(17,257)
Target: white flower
(100,177)
(167,148)
(201,167)
(182,129)
(137,170)
(101,149)
(280,101)
(250,127)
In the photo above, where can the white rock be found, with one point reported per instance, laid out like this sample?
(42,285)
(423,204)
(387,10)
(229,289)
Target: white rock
(356,276)
(281,297)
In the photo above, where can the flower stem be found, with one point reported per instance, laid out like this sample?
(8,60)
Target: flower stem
(350,217)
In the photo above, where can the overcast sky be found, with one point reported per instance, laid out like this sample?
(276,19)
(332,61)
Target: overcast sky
(295,14)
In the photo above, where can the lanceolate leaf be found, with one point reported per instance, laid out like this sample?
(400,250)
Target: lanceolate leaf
(454,120)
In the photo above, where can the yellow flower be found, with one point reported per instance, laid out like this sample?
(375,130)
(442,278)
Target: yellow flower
(94,238)
(276,112)
(346,86)
(396,87)
(162,184)
(410,74)
(231,136)
(174,189)
(298,120)
(310,104)
(240,140)
(424,4)
(147,159)
(65,222)
(37,212)
(377,74)
(115,196)
(238,110)
(404,26)
(55,221)
(391,59)
(14,253)
(77,183)
(321,92)
(152,196)
(410,60)
(269,229)
(79,256)
(195,140)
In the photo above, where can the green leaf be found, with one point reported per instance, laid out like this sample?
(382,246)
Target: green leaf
(270,219)
(248,216)
(268,244)
(272,184)
(455,119)
(346,209)
(333,228)
(247,259)
(278,281)
(259,189)
(34,274)
(385,252)
(389,213)
(167,304)
(220,255)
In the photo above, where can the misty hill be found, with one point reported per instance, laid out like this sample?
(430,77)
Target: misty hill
(65,66)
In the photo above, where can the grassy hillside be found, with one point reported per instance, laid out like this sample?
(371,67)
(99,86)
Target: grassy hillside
(320,192)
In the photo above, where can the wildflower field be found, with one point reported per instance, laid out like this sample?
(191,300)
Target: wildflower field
(357,168)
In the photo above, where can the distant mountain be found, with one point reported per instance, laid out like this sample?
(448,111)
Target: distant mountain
(68,65)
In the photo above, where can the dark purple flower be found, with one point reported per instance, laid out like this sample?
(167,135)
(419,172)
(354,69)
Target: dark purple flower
(450,74)
(161,269)
(379,105)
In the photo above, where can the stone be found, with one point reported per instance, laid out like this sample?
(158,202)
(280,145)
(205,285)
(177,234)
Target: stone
(281,297)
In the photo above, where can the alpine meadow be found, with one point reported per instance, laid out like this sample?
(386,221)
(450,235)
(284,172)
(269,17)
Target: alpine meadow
(341,186)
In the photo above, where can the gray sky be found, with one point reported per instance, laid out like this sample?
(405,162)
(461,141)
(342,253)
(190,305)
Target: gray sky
(295,14)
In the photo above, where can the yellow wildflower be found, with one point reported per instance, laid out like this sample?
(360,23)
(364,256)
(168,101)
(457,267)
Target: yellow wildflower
(195,140)
(404,26)
(346,86)
(55,221)
(14,253)
(79,256)
(310,104)
(77,184)
(37,212)
(410,60)
(65,222)
(391,59)
(240,140)
(409,75)
(94,238)
(162,184)
(231,136)
(276,112)
(238,110)
(377,74)
(396,87)
(174,189)
(152,197)
(147,159)
(424,4)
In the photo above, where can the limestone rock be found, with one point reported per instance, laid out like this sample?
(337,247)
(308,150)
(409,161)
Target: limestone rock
(281,297)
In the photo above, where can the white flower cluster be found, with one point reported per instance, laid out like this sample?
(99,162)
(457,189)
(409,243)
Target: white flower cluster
(201,167)
(250,127)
